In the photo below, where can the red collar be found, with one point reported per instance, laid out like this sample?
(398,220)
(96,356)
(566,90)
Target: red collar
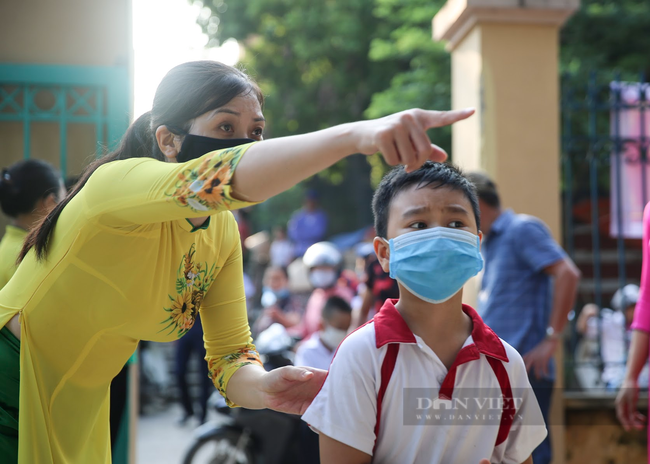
(390,327)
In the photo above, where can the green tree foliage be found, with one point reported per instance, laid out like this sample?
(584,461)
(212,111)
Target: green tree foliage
(608,35)
(423,79)
(329,62)
(310,58)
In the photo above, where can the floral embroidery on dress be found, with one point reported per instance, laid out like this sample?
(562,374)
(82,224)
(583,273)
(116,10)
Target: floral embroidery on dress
(192,283)
(243,356)
(204,187)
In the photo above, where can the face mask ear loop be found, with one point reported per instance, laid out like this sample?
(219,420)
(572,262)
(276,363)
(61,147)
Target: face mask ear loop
(391,253)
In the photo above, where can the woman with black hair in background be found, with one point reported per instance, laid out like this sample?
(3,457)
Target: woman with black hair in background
(28,192)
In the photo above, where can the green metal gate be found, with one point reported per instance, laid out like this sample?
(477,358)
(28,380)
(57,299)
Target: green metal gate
(96,97)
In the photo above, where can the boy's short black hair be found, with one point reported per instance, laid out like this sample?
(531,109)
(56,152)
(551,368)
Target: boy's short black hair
(433,175)
(486,189)
(335,303)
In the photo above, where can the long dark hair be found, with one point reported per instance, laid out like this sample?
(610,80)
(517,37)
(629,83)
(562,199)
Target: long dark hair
(24,183)
(186,92)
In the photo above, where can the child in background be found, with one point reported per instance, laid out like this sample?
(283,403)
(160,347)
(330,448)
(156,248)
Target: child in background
(278,302)
(281,252)
(424,352)
(324,261)
(318,350)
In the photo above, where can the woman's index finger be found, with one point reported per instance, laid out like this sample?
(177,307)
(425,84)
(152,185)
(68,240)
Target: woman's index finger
(430,119)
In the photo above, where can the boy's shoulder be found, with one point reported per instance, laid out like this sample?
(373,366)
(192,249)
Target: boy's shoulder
(360,341)
(515,366)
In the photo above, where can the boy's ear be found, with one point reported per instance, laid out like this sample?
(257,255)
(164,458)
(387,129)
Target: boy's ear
(382,250)
(480,237)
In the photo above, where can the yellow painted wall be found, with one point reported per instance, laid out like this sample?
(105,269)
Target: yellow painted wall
(520,68)
(72,32)
(509,72)
(466,93)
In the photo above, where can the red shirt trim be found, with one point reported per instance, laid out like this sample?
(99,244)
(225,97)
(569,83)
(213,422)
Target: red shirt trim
(390,327)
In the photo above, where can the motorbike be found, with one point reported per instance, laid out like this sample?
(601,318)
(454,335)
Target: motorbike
(245,436)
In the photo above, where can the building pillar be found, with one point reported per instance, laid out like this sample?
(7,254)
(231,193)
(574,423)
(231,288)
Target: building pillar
(504,58)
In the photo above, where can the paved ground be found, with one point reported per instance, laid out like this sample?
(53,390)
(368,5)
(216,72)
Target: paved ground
(161,440)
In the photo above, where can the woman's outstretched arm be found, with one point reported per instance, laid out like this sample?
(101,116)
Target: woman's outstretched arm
(273,166)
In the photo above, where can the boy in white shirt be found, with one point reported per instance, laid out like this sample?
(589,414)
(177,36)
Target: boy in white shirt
(426,381)
(318,350)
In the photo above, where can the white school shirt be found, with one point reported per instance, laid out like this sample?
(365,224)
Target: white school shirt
(417,388)
(313,353)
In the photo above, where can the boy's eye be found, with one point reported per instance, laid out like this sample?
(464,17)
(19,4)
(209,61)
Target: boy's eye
(418,225)
(456,224)
(259,132)
(226,127)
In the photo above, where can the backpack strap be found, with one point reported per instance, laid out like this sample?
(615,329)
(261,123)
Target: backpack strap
(387,367)
(509,410)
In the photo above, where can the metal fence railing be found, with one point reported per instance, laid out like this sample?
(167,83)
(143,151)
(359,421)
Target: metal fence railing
(605,141)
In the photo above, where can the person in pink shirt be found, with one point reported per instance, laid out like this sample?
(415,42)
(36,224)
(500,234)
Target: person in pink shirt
(324,262)
(626,401)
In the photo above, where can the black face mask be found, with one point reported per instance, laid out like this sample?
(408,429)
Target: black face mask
(195,146)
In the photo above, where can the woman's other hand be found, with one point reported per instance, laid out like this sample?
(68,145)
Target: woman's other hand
(626,406)
(291,389)
(402,137)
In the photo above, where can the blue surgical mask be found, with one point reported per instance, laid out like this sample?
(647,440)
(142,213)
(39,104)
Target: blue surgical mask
(434,264)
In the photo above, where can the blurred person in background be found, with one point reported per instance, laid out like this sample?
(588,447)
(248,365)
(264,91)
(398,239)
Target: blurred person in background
(308,225)
(282,250)
(614,327)
(324,262)
(528,288)
(70,182)
(378,287)
(278,302)
(188,347)
(28,192)
(243,223)
(318,351)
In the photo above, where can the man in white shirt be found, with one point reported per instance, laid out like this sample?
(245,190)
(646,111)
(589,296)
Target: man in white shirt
(318,351)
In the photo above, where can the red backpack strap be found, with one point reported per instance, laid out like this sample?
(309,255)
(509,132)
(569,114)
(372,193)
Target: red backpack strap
(387,367)
(509,410)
